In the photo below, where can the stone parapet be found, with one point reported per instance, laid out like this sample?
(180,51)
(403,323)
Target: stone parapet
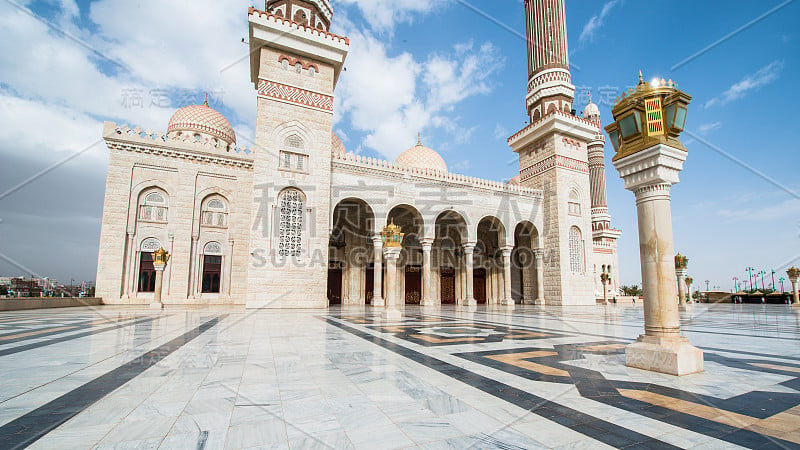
(122,137)
(357,163)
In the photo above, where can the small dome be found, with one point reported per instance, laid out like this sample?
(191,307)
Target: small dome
(422,157)
(591,112)
(337,146)
(202,119)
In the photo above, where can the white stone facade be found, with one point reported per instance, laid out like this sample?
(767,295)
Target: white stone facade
(295,221)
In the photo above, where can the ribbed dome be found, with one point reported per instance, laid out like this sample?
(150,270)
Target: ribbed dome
(591,111)
(421,157)
(202,119)
(337,146)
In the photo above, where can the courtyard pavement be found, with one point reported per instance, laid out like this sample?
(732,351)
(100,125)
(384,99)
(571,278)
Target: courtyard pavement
(534,377)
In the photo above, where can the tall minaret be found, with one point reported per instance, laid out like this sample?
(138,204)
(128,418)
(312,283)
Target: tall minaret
(549,79)
(604,238)
(553,157)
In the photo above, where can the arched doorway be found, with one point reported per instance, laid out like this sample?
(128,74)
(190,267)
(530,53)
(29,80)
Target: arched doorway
(447,258)
(409,265)
(523,264)
(350,253)
(488,275)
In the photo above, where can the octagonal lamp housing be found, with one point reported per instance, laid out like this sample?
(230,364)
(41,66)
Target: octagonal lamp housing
(653,113)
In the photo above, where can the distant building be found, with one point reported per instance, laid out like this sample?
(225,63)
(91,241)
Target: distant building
(25,287)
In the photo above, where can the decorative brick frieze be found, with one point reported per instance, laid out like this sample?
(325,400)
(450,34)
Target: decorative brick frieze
(295,95)
(551,163)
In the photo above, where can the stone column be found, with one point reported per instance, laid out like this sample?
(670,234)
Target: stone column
(681,274)
(649,174)
(469,295)
(604,277)
(392,254)
(156,303)
(377,293)
(507,298)
(794,274)
(540,277)
(427,287)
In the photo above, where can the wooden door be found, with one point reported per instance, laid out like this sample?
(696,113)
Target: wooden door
(479,285)
(448,286)
(369,285)
(335,285)
(413,285)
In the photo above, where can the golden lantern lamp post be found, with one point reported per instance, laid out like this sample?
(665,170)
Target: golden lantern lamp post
(392,237)
(160,259)
(648,121)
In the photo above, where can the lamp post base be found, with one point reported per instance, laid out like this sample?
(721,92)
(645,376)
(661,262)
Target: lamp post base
(673,356)
(391,314)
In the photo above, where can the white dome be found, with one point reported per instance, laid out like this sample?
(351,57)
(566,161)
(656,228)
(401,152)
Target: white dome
(422,157)
(591,112)
(202,119)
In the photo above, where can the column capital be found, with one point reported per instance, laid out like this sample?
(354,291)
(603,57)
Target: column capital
(377,240)
(391,253)
(506,251)
(469,247)
(659,165)
(427,244)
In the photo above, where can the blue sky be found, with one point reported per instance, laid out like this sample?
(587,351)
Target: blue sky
(438,67)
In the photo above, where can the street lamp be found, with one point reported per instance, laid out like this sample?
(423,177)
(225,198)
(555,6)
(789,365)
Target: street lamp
(762,273)
(750,272)
(736,284)
(773,279)
(707,283)
(781,279)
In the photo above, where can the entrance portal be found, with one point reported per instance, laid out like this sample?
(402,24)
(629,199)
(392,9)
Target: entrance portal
(335,283)
(413,285)
(369,285)
(479,285)
(448,285)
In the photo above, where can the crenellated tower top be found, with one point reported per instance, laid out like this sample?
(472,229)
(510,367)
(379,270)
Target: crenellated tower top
(311,13)
(549,78)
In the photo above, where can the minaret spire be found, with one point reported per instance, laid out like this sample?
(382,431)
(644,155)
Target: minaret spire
(549,79)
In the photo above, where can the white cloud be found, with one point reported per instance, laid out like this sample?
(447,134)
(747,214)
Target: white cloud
(501,132)
(596,22)
(384,15)
(763,77)
(709,127)
(410,96)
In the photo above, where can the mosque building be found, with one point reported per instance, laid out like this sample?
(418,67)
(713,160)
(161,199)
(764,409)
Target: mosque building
(295,221)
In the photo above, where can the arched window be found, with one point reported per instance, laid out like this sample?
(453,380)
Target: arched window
(153,206)
(294,142)
(575,250)
(212,267)
(147,272)
(300,17)
(215,212)
(292,156)
(290,229)
(574,203)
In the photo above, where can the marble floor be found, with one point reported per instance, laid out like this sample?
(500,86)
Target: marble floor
(442,378)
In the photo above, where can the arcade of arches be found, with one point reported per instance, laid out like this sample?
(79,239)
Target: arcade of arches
(438,267)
